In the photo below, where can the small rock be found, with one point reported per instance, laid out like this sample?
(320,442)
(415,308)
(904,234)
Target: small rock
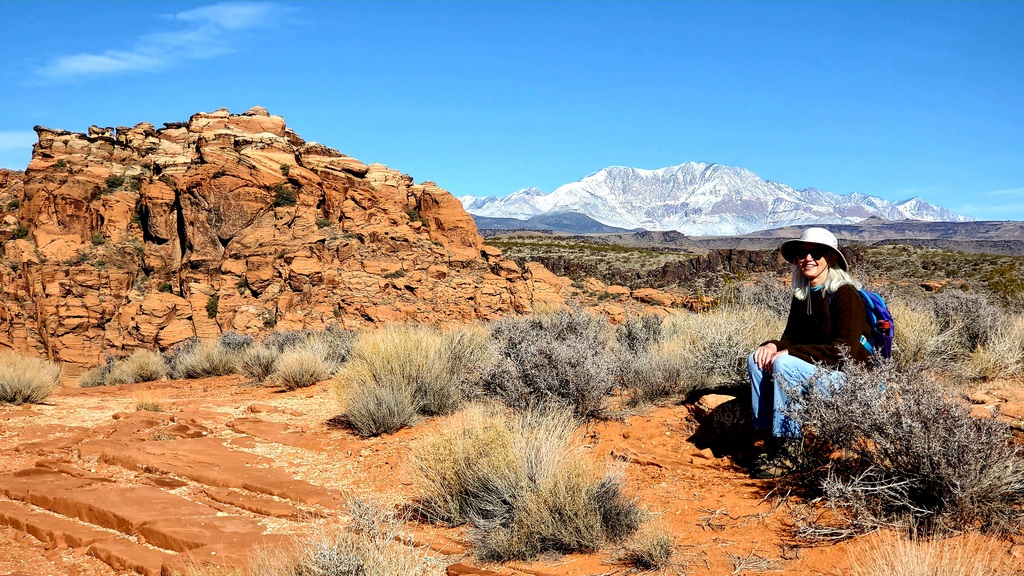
(707,404)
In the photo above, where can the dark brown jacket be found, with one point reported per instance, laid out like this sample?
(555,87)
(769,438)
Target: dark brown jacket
(819,336)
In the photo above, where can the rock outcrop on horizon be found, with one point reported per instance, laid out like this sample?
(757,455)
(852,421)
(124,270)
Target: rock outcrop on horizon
(124,238)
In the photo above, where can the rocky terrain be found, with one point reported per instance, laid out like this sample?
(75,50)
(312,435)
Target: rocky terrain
(117,239)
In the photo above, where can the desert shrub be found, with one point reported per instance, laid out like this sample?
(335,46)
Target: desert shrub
(165,287)
(919,339)
(258,362)
(973,315)
(372,546)
(194,358)
(284,196)
(24,379)
(661,372)
(114,181)
(333,346)
(234,341)
(322,222)
(766,294)
(299,367)
(638,335)
(284,339)
(98,239)
(652,548)
(714,345)
(908,455)
(1002,356)
(963,556)
(565,356)
(20,231)
(523,483)
(97,375)
(405,370)
(141,366)
(212,305)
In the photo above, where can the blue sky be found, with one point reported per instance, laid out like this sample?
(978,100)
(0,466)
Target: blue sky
(893,99)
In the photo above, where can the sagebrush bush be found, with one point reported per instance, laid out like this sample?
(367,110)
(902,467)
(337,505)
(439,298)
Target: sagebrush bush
(141,366)
(565,356)
(235,341)
(973,315)
(638,334)
(768,294)
(405,370)
(24,379)
(1002,356)
(715,344)
(930,557)
(523,483)
(194,358)
(898,451)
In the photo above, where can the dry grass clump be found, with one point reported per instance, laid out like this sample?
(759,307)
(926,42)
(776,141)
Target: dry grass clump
(1002,356)
(972,315)
(141,366)
(407,370)
(714,344)
(964,556)
(97,375)
(194,358)
(652,548)
(299,367)
(24,379)
(523,483)
(908,455)
(258,362)
(920,338)
(565,356)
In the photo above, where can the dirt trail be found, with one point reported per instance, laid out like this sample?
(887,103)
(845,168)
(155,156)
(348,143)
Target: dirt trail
(89,486)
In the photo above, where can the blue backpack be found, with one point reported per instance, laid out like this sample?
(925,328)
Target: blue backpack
(883,327)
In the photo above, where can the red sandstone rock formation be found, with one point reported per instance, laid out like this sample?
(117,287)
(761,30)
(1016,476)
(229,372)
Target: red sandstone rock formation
(141,237)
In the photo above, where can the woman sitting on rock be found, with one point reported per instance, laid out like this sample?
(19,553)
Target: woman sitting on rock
(826,318)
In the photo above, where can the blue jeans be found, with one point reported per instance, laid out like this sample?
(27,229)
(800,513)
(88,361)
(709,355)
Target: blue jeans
(770,392)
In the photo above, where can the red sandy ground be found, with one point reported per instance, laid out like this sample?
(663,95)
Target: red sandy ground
(225,467)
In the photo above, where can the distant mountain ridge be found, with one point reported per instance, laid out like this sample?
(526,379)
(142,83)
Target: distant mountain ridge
(700,199)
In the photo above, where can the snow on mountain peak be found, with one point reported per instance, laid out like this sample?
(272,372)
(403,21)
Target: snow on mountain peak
(699,198)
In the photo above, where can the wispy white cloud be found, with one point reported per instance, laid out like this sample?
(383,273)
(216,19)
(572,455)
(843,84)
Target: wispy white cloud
(204,32)
(16,140)
(1004,204)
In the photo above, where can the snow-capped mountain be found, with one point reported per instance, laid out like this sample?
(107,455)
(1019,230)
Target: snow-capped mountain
(699,199)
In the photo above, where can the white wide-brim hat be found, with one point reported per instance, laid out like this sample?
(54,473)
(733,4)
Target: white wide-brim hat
(818,236)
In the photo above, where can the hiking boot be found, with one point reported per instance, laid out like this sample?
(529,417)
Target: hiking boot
(782,456)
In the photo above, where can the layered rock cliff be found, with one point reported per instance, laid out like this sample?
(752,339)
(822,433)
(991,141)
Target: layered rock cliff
(123,238)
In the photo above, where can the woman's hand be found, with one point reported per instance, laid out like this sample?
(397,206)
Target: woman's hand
(765,355)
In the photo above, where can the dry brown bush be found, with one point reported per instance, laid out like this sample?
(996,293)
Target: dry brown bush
(1002,356)
(141,366)
(523,482)
(24,379)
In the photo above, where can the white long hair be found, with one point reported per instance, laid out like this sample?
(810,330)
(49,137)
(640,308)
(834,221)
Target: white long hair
(834,278)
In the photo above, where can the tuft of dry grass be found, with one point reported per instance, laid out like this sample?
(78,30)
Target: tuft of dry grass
(197,359)
(147,401)
(258,362)
(711,347)
(524,484)
(405,370)
(961,556)
(141,366)
(651,548)
(24,379)
(299,367)
(920,338)
(1002,356)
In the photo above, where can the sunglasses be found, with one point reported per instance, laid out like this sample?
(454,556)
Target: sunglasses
(816,253)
